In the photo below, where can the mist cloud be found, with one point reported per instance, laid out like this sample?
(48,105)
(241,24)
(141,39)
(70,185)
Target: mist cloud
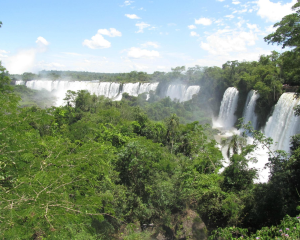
(24,60)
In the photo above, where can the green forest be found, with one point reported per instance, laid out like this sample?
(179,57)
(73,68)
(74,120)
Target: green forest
(136,169)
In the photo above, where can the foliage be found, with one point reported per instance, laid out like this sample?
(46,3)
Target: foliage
(287,30)
(98,169)
(289,228)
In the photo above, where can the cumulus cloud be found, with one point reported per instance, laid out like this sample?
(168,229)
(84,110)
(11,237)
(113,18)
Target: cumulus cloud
(274,12)
(220,0)
(142,26)
(229,16)
(98,41)
(227,41)
(203,21)
(41,40)
(236,2)
(132,16)
(150,44)
(192,27)
(194,34)
(142,53)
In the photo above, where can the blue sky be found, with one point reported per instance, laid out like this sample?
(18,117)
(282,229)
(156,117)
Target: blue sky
(122,36)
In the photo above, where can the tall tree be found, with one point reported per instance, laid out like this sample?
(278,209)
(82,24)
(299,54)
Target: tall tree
(172,126)
(287,32)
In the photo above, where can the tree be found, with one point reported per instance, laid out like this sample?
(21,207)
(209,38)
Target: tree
(0,23)
(287,33)
(27,76)
(172,126)
(235,144)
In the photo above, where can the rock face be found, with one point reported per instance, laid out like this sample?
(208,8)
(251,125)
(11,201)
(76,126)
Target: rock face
(187,225)
(191,226)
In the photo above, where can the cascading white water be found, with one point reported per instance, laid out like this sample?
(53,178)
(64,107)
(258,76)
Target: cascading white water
(182,92)
(107,89)
(283,123)
(20,82)
(147,87)
(249,109)
(131,88)
(188,94)
(229,102)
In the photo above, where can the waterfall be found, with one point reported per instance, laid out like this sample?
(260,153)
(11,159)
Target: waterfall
(182,92)
(108,89)
(147,87)
(249,113)
(283,123)
(188,94)
(229,102)
(20,82)
(131,88)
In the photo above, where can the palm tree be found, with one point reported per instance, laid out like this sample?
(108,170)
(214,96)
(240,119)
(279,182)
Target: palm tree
(235,143)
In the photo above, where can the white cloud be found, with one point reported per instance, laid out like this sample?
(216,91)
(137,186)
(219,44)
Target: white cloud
(229,16)
(132,16)
(41,40)
(150,44)
(253,27)
(240,23)
(236,2)
(194,34)
(270,29)
(2,53)
(227,41)
(98,41)
(203,21)
(142,53)
(242,11)
(220,0)
(192,27)
(127,3)
(112,32)
(274,12)
(219,22)
(142,26)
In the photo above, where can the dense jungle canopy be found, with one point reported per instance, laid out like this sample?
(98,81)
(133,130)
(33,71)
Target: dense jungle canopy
(136,169)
